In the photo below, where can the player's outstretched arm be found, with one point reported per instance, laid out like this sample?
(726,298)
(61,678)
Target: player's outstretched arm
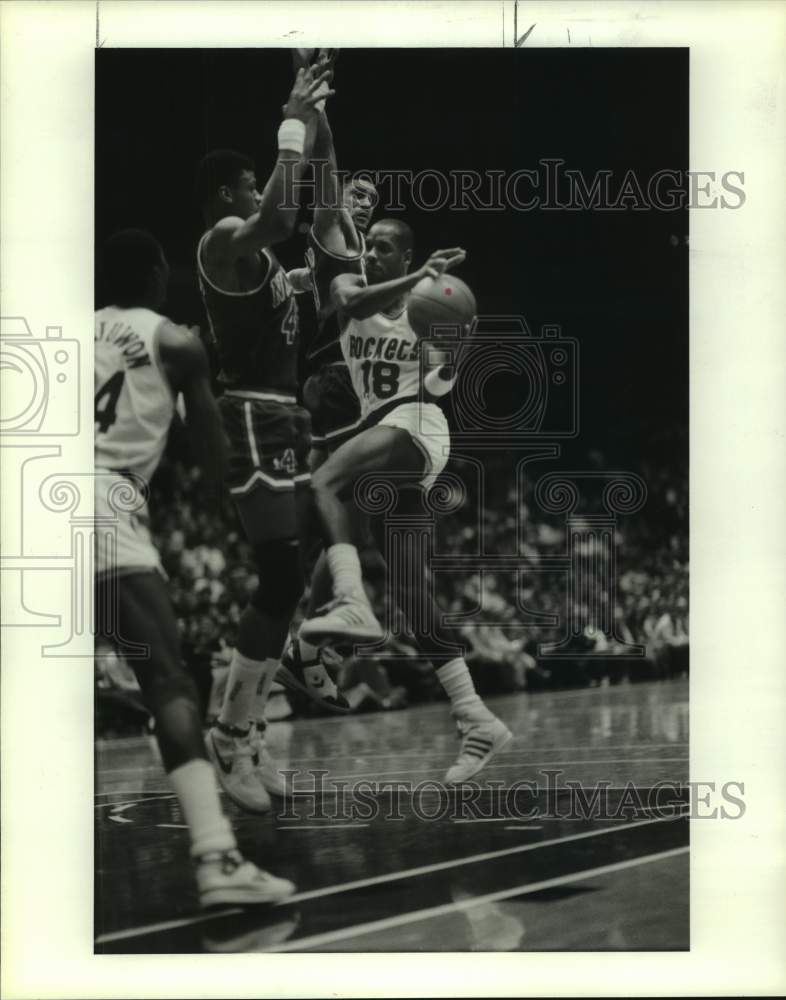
(275,219)
(185,362)
(333,225)
(359,301)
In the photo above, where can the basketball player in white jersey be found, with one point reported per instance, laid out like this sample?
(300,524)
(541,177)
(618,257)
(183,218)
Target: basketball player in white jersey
(404,434)
(142,363)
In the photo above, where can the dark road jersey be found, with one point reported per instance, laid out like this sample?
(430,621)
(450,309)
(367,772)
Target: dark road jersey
(255,332)
(324,348)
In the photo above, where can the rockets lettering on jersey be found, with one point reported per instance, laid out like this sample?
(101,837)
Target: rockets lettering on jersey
(383,356)
(387,348)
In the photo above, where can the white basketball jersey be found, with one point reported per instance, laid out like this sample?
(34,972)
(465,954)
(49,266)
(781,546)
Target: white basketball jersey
(134,403)
(383,357)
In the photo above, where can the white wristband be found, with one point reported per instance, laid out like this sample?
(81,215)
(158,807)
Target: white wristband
(292,135)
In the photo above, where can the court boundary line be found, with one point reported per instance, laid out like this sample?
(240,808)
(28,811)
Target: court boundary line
(447,753)
(153,797)
(413,916)
(341,887)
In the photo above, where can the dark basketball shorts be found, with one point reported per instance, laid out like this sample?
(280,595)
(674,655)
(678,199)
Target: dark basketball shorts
(333,405)
(269,438)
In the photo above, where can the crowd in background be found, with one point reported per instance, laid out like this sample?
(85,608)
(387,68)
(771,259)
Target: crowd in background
(208,563)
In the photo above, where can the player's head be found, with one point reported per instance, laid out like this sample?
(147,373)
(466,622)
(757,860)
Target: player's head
(389,247)
(134,270)
(360,197)
(226,185)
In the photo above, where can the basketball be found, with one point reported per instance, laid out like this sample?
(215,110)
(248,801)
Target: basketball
(443,301)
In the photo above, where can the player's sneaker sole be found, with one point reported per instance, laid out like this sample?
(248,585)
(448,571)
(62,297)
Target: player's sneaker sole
(317,631)
(480,743)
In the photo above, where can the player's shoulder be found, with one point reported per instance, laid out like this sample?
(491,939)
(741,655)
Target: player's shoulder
(180,348)
(219,233)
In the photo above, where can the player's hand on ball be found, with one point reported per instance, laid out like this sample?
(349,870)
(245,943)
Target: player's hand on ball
(306,92)
(441,260)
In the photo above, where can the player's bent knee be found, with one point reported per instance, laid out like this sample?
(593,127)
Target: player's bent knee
(280,574)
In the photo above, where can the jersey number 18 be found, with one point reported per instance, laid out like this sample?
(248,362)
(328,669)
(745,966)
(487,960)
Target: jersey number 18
(380,378)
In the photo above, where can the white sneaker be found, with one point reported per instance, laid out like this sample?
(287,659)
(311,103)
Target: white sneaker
(348,618)
(225,877)
(266,767)
(236,763)
(479,742)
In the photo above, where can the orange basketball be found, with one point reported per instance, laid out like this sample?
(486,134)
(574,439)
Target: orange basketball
(443,301)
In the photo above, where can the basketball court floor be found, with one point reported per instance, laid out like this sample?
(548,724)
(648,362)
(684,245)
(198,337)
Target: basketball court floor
(517,864)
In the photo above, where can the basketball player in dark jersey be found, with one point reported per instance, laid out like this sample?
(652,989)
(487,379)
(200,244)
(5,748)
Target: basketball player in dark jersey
(335,245)
(254,322)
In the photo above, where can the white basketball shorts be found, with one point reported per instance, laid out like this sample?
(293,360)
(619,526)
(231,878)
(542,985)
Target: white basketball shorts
(429,430)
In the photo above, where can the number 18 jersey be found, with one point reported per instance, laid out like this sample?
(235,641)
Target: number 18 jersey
(383,357)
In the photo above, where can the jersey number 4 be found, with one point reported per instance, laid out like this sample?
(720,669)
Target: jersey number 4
(380,378)
(289,322)
(106,401)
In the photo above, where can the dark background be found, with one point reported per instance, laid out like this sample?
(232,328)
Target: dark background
(615,280)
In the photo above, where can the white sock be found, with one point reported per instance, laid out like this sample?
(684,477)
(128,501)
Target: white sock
(264,684)
(241,690)
(344,567)
(456,679)
(195,786)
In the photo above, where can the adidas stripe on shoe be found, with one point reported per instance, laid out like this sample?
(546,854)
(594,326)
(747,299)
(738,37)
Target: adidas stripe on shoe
(480,741)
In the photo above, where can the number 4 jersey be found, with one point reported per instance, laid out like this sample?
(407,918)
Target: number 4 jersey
(134,403)
(383,357)
(255,332)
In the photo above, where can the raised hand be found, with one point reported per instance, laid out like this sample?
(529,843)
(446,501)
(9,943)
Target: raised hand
(306,93)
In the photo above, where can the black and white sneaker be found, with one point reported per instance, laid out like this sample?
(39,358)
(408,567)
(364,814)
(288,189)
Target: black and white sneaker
(311,677)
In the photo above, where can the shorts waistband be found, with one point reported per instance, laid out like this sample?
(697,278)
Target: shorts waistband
(382,411)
